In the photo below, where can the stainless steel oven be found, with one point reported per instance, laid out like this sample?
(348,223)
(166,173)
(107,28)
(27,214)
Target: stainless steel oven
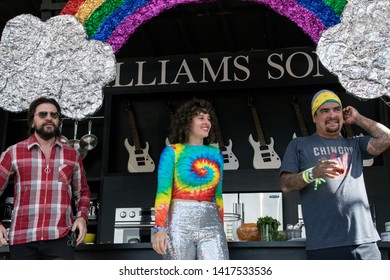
(133,225)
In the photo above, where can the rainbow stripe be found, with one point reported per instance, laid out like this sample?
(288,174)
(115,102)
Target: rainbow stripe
(312,16)
(114,21)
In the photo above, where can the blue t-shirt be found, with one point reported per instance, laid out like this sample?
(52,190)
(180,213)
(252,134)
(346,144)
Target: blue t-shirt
(338,212)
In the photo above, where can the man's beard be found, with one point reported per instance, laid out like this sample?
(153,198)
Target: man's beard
(46,135)
(333,130)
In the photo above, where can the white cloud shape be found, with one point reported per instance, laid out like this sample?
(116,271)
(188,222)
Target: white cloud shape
(54,59)
(357,50)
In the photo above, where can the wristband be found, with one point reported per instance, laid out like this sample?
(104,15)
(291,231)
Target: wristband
(157,229)
(310,174)
(307,175)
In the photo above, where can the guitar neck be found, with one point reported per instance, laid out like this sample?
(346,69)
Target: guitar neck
(218,132)
(349,130)
(301,122)
(171,115)
(170,112)
(259,129)
(133,128)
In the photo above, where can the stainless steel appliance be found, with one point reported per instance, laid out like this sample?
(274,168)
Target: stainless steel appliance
(253,205)
(93,207)
(133,225)
(8,209)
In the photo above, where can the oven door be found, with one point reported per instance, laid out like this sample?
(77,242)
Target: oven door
(133,233)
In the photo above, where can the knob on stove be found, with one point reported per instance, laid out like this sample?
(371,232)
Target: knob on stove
(122,214)
(131,214)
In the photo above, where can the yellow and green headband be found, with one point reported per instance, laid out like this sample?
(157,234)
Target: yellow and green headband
(322,97)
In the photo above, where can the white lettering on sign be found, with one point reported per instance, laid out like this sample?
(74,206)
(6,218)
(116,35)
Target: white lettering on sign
(250,69)
(163,79)
(243,68)
(276,61)
(207,65)
(118,76)
(187,73)
(140,81)
(224,72)
(224,66)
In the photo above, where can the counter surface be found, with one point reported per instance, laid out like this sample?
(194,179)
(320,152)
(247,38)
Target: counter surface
(273,250)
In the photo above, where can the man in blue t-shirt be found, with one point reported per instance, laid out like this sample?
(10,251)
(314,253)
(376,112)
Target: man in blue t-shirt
(327,170)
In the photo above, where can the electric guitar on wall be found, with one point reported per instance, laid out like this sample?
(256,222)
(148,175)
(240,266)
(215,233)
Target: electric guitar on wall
(265,156)
(139,159)
(230,160)
(350,133)
(301,122)
(171,115)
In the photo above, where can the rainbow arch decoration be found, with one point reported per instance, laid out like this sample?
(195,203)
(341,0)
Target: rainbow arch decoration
(114,21)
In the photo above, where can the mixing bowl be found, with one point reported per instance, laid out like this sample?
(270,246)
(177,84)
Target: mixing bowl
(89,238)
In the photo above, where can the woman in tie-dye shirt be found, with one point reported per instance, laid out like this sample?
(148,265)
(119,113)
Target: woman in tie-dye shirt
(189,206)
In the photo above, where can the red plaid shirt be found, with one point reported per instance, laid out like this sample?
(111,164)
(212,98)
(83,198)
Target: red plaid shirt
(43,190)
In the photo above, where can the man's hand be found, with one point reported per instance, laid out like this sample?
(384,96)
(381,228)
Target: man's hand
(331,168)
(81,224)
(3,236)
(350,115)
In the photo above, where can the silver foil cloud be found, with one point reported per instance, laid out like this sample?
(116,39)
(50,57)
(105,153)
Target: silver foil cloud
(54,59)
(358,49)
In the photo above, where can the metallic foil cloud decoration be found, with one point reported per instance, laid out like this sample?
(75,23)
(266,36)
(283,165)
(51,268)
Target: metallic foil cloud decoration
(54,59)
(358,49)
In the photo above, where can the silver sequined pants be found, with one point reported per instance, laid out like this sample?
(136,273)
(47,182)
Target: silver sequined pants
(195,232)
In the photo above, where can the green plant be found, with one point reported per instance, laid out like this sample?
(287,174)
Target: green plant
(268,228)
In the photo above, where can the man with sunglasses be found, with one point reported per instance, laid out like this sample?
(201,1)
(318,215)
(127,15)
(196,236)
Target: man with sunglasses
(48,175)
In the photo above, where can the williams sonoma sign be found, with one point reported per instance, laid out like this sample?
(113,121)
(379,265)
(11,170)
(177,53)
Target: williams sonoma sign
(254,69)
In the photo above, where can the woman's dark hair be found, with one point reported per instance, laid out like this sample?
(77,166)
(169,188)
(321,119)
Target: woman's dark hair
(181,123)
(33,106)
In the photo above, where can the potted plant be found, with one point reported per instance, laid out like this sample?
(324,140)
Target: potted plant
(268,228)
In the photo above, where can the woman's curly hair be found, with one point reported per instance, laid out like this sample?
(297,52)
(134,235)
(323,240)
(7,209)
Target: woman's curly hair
(181,123)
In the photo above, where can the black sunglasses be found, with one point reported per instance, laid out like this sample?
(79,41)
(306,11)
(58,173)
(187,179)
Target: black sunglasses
(43,114)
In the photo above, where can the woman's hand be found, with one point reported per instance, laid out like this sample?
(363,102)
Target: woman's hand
(160,242)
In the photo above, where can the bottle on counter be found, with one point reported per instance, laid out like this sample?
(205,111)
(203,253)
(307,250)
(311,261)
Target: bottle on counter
(301,222)
(303,229)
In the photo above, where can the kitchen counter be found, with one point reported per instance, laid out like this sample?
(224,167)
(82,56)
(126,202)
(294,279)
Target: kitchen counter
(237,250)
(273,250)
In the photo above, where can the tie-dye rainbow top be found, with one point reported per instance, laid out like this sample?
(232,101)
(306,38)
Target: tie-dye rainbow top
(188,172)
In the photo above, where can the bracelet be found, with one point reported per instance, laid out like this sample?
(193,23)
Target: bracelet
(307,175)
(310,174)
(157,229)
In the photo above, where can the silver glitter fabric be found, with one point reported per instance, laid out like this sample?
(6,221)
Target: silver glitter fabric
(54,59)
(358,49)
(195,232)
